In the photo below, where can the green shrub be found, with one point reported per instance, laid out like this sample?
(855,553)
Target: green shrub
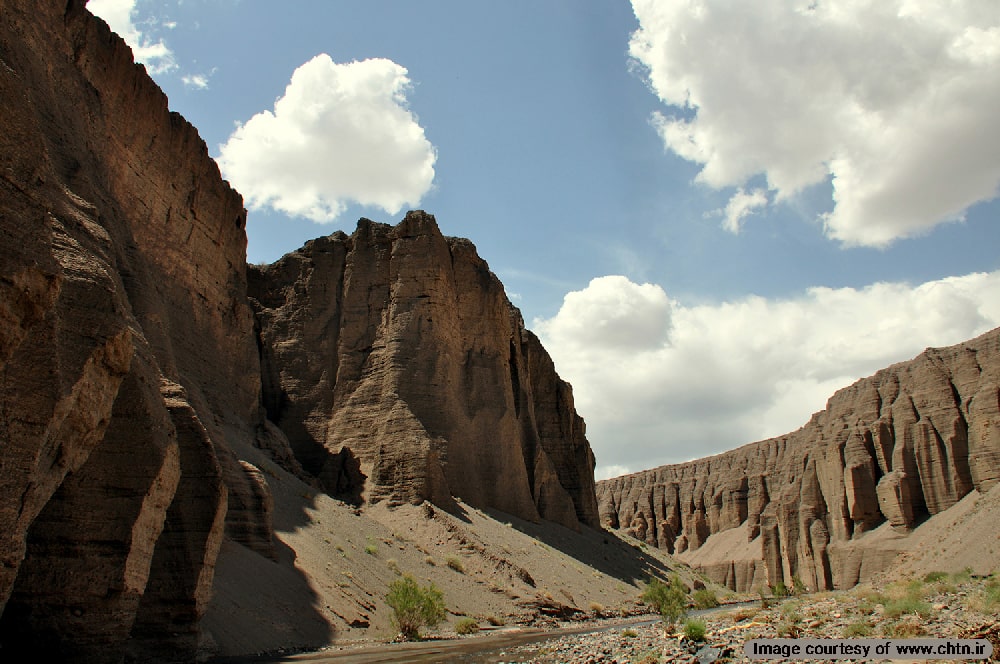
(857,629)
(694,629)
(797,586)
(467,626)
(934,577)
(705,599)
(962,577)
(414,607)
(668,599)
(629,633)
(780,590)
(455,564)
(909,604)
(371,549)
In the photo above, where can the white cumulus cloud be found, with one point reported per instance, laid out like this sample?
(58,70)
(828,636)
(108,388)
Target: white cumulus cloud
(119,15)
(893,101)
(659,381)
(341,133)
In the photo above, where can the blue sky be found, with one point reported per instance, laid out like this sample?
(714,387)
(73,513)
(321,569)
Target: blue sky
(714,215)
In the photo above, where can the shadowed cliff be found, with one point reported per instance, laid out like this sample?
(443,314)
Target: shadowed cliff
(129,376)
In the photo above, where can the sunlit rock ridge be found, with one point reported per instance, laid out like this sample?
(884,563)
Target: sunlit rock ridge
(887,452)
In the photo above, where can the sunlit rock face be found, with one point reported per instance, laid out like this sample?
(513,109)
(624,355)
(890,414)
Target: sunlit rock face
(893,448)
(399,371)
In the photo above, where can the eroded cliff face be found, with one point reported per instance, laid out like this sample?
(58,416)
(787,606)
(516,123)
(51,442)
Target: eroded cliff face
(888,451)
(128,367)
(399,371)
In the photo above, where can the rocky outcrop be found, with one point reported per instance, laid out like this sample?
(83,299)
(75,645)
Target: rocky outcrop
(128,368)
(132,415)
(399,371)
(888,451)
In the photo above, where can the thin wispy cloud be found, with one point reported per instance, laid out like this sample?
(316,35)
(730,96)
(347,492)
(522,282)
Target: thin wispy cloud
(894,102)
(340,134)
(196,81)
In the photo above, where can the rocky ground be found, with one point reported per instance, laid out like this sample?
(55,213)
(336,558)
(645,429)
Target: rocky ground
(938,606)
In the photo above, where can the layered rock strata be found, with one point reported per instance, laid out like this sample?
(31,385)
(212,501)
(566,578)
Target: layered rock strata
(888,451)
(128,367)
(131,400)
(399,371)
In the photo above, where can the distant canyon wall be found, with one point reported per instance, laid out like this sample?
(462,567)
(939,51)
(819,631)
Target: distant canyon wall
(399,371)
(893,448)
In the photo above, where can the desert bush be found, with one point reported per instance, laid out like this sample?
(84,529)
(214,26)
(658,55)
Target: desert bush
(857,629)
(455,564)
(894,608)
(371,549)
(906,628)
(668,599)
(596,608)
(496,621)
(394,566)
(986,600)
(790,611)
(414,607)
(780,590)
(787,630)
(704,599)
(694,629)
(798,587)
(466,626)
(629,634)
(963,576)
(648,657)
(934,577)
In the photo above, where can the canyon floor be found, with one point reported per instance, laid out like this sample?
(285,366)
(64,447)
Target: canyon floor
(335,563)
(523,581)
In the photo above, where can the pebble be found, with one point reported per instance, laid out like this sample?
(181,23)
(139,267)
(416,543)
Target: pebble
(725,639)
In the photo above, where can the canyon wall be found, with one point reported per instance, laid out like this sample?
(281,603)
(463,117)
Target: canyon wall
(133,395)
(128,367)
(399,371)
(888,451)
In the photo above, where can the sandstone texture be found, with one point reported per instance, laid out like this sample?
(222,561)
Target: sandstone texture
(128,368)
(887,453)
(136,380)
(399,371)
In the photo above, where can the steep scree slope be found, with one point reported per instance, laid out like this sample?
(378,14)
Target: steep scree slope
(888,451)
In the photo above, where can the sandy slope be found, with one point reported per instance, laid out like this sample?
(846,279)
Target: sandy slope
(335,565)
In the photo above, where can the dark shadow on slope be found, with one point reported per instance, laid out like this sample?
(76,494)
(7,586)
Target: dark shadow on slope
(601,550)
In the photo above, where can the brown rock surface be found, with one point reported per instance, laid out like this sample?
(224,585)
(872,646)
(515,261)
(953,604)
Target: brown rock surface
(399,371)
(889,451)
(128,368)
